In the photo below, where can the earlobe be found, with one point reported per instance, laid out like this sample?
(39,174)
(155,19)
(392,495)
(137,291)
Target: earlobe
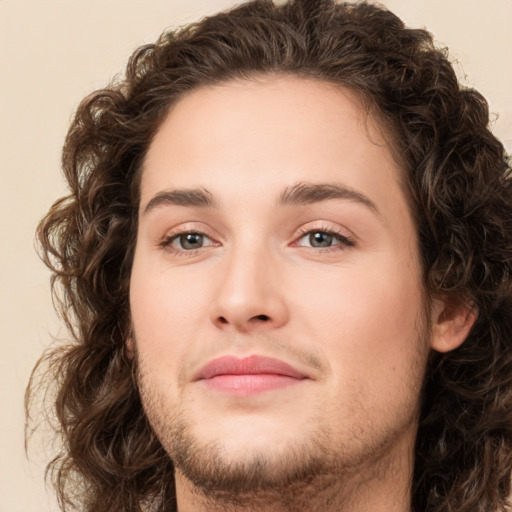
(129,348)
(451,322)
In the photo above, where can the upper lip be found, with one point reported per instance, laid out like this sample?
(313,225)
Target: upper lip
(252,365)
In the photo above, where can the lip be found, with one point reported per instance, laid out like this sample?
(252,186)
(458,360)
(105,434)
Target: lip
(248,375)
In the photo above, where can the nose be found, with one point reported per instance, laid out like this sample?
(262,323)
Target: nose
(250,295)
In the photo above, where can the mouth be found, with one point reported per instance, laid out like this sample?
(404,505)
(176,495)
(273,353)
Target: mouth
(249,375)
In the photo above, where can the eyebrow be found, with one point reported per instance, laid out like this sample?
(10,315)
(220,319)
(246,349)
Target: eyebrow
(299,194)
(310,193)
(199,197)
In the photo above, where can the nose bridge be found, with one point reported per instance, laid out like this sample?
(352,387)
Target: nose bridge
(248,294)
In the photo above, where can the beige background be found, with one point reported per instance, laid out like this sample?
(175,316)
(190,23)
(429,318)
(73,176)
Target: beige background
(55,51)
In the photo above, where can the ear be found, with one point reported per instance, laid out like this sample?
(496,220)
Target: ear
(129,348)
(452,320)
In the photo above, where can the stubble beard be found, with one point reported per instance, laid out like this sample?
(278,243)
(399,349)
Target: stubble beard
(289,480)
(255,478)
(297,473)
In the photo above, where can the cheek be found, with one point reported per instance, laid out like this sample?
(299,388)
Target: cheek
(368,321)
(376,351)
(166,308)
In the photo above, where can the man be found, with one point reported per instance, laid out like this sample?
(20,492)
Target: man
(286,266)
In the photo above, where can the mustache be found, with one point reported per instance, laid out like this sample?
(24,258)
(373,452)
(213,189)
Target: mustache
(260,343)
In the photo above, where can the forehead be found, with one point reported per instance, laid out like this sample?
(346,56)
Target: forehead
(262,135)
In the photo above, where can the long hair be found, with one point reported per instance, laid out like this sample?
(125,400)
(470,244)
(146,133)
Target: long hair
(458,180)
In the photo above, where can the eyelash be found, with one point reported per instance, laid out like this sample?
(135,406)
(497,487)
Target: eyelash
(344,240)
(169,239)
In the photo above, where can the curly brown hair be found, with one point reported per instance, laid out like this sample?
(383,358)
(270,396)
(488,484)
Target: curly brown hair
(459,181)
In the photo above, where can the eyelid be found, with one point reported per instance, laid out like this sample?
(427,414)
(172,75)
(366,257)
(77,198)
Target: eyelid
(173,238)
(188,228)
(347,239)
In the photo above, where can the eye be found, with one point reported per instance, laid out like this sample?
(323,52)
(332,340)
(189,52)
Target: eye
(189,241)
(321,239)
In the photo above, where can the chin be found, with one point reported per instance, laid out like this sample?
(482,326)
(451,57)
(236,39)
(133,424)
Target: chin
(243,466)
(241,456)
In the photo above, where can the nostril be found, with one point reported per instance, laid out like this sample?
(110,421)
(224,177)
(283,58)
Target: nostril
(222,320)
(261,318)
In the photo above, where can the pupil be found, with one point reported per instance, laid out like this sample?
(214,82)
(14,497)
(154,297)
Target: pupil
(191,241)
(319,239)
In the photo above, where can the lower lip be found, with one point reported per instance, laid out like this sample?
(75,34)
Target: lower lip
(249,384)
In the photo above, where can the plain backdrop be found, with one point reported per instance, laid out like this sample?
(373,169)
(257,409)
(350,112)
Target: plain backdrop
(52,53)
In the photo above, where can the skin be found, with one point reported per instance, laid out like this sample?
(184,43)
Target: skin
(350,315)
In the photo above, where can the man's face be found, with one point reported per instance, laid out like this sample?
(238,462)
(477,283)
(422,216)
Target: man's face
(276,295)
